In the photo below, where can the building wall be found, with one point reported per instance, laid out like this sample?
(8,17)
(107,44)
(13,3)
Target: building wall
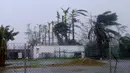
(17,53)
(52,49)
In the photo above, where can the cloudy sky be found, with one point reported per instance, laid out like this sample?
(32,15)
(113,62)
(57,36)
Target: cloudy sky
(19,13)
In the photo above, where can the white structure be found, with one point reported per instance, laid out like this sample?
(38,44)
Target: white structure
(57,51)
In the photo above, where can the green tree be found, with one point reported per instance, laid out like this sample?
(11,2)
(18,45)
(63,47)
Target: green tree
(61,30)
(101,29)
(5,36)
(68,20)
(124,45)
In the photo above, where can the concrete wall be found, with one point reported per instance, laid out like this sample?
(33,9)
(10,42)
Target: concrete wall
(53,49)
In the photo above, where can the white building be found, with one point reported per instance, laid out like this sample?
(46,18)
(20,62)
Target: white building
(57,51)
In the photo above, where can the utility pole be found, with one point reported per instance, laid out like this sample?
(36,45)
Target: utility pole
(59,53)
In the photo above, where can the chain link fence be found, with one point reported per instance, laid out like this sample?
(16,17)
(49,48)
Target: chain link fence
(46,59)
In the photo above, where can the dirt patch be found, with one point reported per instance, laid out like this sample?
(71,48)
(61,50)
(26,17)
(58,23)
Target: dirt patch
(81,62)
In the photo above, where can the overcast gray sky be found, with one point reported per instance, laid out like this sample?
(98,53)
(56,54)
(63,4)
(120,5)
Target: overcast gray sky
(18,13)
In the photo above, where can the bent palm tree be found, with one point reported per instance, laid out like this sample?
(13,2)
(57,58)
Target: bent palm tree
(74,14)
(5,36)
(101,29)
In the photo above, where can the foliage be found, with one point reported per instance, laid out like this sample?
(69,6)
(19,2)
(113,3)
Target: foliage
(65,31)
(124,45)
(8,34)
(61,30)
(101,29)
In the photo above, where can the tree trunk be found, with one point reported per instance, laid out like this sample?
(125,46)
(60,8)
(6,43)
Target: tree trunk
(66,39)
(2,59)
(100,47)
(52,33)
(3,50)
(73,36)
(45,37)
(49,33)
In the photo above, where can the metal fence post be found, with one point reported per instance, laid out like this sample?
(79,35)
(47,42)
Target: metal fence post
(110,57)
(59,53)
(25,58)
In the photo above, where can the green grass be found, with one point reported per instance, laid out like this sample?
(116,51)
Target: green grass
(77,62)
(36,62)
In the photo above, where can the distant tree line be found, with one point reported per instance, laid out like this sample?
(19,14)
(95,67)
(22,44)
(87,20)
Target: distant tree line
(99,32)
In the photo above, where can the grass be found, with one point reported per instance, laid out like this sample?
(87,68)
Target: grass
(32,63)
(17,67)
(72,62)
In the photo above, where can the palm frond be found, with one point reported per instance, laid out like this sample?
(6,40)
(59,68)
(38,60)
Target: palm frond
(112,31)
(15,33)
(107,12)
(112,23)
(81,13)
(90,32)
(65,11)
(122,27)
(11,31)
(58,14)
(83,10)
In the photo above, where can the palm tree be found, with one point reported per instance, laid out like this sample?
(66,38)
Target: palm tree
(5,36)
(65,15)
(49,32)
(101,29)
(61,28)
(39,33)
(52,32)
(44,32)
(58,17)
(74,14)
